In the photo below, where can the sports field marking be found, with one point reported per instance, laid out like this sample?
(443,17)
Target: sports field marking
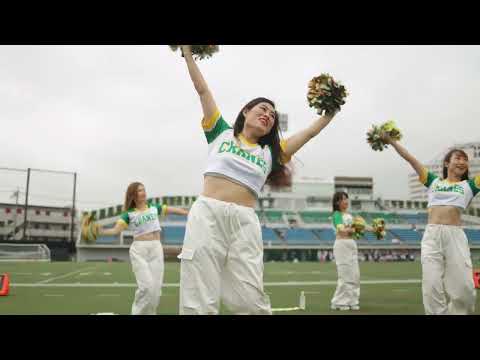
(15,273)
(65,275)
(296,308)
(176,285)
(54,295)
(108,295)
(334,282)
(316,272)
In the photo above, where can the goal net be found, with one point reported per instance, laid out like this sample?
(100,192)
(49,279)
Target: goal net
(24,252)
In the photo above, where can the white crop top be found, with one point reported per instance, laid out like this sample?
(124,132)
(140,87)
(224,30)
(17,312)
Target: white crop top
(143,222)
(236,159)
(445,193)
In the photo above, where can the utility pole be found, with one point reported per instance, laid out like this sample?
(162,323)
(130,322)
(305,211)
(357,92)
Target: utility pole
(15,194)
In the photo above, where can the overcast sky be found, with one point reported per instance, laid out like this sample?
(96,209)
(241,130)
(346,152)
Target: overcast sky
(117,114)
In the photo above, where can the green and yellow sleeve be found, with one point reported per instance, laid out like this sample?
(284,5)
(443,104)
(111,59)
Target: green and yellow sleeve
(338,221)
(162,209)
(214,126)
(475,184)
(427,177)
(124,220)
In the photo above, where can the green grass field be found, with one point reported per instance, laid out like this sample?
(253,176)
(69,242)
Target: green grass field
(86,288)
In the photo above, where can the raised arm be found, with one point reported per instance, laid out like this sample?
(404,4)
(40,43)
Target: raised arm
(176,211)
(119,227)
(417,166)
(296,141)
(206,98)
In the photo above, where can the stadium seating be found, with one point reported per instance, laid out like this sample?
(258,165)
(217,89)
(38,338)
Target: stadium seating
(325,235)
(473,236)
(273,216)
(173,235)
(315,217)
(301,237)
(406,235)
(269,236)
(174,218)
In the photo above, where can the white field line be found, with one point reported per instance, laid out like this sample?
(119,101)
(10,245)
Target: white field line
(64,275)
(176,285)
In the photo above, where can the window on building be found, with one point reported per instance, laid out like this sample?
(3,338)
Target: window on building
(356,205)
(47,213)
(19,211)
(66,213)
(8,210)
(37,212)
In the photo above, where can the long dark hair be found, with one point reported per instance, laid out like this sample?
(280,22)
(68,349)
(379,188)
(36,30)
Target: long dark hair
(447,159)
(337,197)
(131,195)
(281,175)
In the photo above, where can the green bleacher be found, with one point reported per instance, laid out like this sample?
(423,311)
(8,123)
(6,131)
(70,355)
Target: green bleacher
(274,216)
(315,217)
(323,217)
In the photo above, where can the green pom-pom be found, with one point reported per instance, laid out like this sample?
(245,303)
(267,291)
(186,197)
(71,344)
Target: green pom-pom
(199,52)
(89,229)
(378,226)
(359,225)
(374,135)
(325,94)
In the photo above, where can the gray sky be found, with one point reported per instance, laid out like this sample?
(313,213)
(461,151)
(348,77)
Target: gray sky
(117,114)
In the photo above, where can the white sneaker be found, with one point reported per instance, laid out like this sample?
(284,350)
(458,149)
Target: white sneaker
(340,307)
(355,307)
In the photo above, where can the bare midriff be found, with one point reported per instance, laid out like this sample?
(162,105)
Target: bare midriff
(445,215)
(155,235)
(222,189)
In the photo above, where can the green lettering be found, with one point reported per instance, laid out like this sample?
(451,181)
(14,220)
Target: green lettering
(233,148)
(243,154)
(222,148)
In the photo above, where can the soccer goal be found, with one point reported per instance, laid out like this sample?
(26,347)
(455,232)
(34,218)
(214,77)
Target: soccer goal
(24,252)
